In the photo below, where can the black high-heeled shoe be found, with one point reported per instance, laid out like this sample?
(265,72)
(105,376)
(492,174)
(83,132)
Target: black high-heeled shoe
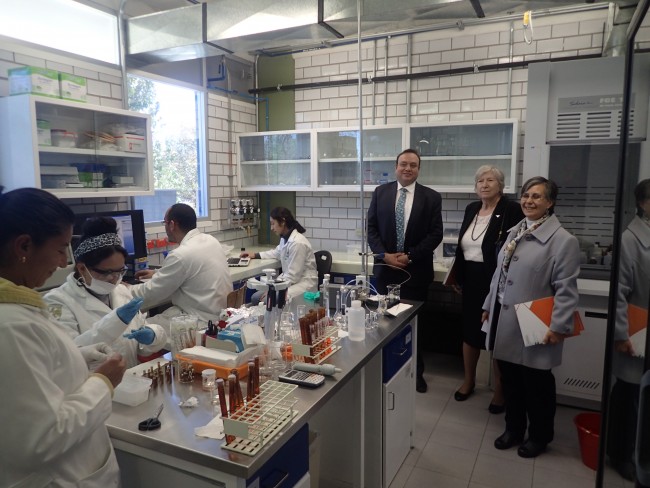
(496,409)
(461,397)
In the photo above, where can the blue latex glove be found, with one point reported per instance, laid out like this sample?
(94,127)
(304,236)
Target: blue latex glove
(128,311)
(144,335)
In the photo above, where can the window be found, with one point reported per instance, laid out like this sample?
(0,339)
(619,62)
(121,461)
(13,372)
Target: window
(63,24)
(177,115)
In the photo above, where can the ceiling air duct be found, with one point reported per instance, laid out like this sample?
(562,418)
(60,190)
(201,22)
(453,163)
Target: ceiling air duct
(219,27)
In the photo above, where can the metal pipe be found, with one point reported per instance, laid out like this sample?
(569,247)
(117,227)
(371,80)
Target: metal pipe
(374,73)
(509,86)
(441,26)
(386,82)
(360,140)
(122,54)
(408,80)
(424,74)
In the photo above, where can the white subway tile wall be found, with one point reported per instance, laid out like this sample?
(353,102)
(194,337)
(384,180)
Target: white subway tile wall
(333,220)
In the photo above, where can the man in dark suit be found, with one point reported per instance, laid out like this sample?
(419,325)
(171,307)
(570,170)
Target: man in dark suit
(405,207)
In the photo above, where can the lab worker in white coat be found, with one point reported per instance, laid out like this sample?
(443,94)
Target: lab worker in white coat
(53,410)
(294,252)
(93,306)
(194,276)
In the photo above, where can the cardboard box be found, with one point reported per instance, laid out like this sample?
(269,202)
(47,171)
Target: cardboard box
(37,81)
(73,87)
(131,143)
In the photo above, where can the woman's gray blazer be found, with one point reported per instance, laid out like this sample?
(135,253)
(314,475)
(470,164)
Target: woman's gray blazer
(545,263)
(633,288)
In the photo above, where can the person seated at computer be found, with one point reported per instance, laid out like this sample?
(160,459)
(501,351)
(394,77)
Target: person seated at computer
(194,276)
(93,306)
(294,252)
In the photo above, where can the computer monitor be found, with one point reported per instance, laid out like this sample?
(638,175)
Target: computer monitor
(130,228)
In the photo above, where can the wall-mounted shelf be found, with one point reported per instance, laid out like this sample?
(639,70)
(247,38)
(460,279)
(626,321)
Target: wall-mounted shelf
(104,152)
(326,159)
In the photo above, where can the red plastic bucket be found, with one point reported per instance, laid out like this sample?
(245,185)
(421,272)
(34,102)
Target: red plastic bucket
(588,425)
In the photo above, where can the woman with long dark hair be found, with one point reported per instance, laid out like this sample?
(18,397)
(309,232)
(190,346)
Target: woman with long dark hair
(294,252)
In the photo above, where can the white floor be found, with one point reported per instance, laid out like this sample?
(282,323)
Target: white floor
(454,443)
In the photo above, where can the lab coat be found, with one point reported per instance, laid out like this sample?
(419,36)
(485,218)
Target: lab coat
(298,263)
(53,411)
(88,320)
(194,276)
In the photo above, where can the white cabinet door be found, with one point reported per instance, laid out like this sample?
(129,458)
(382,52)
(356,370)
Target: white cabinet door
(398,416)
(579,378)
(74,150)
(452,152)
(275,161)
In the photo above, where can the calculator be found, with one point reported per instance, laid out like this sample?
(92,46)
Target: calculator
(301,378)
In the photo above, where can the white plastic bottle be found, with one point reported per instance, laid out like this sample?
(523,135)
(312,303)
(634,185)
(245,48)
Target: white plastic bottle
(356,321)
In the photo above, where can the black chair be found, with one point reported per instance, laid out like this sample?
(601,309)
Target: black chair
(323,264)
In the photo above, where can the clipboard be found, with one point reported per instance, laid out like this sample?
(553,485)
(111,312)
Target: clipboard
(534,319)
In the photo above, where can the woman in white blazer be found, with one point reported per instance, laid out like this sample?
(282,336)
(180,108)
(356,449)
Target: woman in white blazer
(627,365)
(540,259)
(294,252)
(94,306)
(53,410)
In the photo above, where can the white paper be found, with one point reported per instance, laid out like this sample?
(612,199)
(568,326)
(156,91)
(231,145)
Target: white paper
(532,328)
(395,310)
(638,343)
(213,430)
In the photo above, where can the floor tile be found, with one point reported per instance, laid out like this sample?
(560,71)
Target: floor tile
(423,478)
(499,472)
(548,478)
(448,460)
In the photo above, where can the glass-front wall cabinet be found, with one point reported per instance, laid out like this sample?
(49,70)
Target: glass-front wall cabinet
(451,153)
(275,160)
(338,161)
(328,159)
(73,149)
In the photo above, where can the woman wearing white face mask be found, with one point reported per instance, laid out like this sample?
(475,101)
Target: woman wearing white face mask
(94,306)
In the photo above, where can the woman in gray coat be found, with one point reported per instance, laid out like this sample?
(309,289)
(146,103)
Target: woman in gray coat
(540,259)
(632,299)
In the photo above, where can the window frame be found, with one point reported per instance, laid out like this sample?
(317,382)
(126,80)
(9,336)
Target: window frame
(202,132)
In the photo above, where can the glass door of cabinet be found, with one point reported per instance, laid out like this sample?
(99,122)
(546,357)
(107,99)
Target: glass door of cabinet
(452,153)
(338,162)
(271,160)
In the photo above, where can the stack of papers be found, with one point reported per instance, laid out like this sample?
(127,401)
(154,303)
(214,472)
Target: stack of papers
(535,319)
(637,320)
(398,309)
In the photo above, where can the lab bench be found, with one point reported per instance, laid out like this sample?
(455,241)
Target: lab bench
(346,412)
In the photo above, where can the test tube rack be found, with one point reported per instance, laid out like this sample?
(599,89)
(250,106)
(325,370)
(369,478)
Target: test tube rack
(320,350)
(255,424)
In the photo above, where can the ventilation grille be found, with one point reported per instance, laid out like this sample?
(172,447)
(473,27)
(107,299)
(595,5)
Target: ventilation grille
(581,384)
(586,126)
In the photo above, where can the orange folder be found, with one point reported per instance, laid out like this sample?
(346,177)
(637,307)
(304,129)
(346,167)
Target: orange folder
(637,319)
(535,318)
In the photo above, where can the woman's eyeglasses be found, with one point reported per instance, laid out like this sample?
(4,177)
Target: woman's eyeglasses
(111,273)
(534,196)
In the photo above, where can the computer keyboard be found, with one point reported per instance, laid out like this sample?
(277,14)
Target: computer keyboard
(238,262)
